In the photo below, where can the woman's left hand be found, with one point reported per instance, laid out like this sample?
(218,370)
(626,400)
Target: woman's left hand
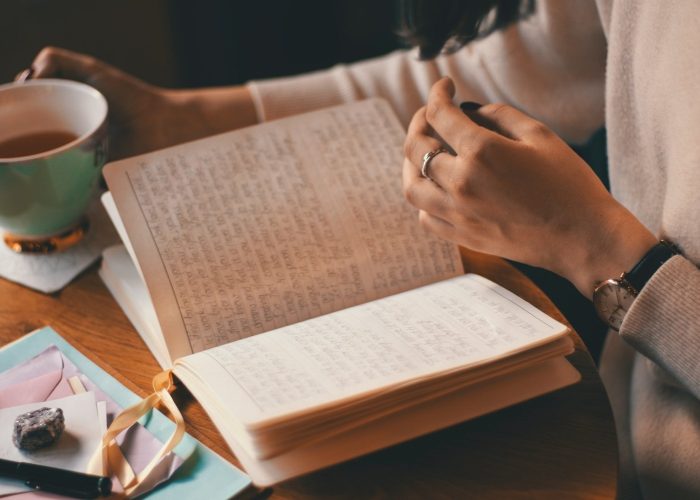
(516,190)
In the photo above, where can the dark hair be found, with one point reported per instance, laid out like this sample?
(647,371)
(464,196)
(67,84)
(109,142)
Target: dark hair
(437,26)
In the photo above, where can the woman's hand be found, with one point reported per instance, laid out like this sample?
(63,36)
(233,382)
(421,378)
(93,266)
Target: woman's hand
(144,117)
(516,190)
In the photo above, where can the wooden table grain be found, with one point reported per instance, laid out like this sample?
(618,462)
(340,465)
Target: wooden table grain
(561,445)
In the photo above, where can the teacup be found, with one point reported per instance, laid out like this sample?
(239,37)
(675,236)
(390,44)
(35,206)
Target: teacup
(53,144)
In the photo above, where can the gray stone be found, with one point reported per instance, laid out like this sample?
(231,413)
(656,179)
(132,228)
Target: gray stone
(38,429)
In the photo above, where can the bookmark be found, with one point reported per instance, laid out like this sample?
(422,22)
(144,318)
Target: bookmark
(112,458)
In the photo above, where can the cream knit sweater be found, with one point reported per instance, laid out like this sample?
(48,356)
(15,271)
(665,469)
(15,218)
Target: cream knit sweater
(576,65)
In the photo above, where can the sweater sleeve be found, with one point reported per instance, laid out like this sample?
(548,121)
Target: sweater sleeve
(664,321)
(550,65)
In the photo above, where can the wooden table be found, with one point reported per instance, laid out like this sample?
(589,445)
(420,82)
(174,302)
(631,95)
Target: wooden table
(562,445)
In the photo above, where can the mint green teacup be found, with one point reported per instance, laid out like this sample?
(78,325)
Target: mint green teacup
(53,140)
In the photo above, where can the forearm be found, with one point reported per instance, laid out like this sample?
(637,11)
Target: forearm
(216,109)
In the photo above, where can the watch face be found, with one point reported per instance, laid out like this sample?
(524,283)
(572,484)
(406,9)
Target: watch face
(612,301)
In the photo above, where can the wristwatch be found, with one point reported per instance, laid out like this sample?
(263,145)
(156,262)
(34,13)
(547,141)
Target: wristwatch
(614,297)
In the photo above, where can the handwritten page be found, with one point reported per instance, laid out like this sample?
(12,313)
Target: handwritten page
(268,226)
(456,323)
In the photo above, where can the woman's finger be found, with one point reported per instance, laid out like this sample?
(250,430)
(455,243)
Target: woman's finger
(439,227)
(460,131)
(53,62)
(422,193)
(509,121)
(419,143)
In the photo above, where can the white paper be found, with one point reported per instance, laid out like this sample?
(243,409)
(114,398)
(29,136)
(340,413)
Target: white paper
(72,451)
(49,273)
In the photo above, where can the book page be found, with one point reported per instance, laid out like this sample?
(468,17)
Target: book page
(267,226)
(456,323)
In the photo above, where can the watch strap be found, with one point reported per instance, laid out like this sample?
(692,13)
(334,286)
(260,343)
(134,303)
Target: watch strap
(638,276)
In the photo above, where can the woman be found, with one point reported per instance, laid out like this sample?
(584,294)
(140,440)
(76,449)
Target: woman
(500,181)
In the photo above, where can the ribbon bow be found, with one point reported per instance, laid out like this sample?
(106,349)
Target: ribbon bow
(109,459)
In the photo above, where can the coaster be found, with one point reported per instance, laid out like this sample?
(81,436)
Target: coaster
(50,272)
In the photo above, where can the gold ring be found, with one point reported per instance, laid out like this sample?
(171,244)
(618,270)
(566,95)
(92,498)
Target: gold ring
(49,244)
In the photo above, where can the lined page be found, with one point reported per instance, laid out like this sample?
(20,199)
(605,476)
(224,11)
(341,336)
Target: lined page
(460,322)
(267,226)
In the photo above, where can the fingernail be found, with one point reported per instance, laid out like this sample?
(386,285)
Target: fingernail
(25,75)
(469,106)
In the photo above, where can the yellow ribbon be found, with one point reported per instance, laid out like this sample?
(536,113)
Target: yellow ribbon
(109,459)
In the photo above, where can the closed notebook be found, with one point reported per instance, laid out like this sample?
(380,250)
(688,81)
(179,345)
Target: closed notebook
(279,273)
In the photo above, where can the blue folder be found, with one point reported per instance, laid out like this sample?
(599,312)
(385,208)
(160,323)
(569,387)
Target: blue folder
(203,475)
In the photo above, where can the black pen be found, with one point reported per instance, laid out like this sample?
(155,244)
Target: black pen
(61,481)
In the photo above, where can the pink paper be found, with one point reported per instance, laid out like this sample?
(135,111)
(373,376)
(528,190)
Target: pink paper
(46,362)
(30,391)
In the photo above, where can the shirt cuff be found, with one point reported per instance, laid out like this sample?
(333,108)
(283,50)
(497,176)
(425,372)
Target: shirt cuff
(664,321)
(280,97)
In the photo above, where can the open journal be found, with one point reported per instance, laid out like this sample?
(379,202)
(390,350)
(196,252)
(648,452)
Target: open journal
(280,274)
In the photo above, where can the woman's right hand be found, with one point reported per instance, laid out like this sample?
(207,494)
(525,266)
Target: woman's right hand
(143,117)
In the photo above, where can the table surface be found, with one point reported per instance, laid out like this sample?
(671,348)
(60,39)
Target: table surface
(561,445)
